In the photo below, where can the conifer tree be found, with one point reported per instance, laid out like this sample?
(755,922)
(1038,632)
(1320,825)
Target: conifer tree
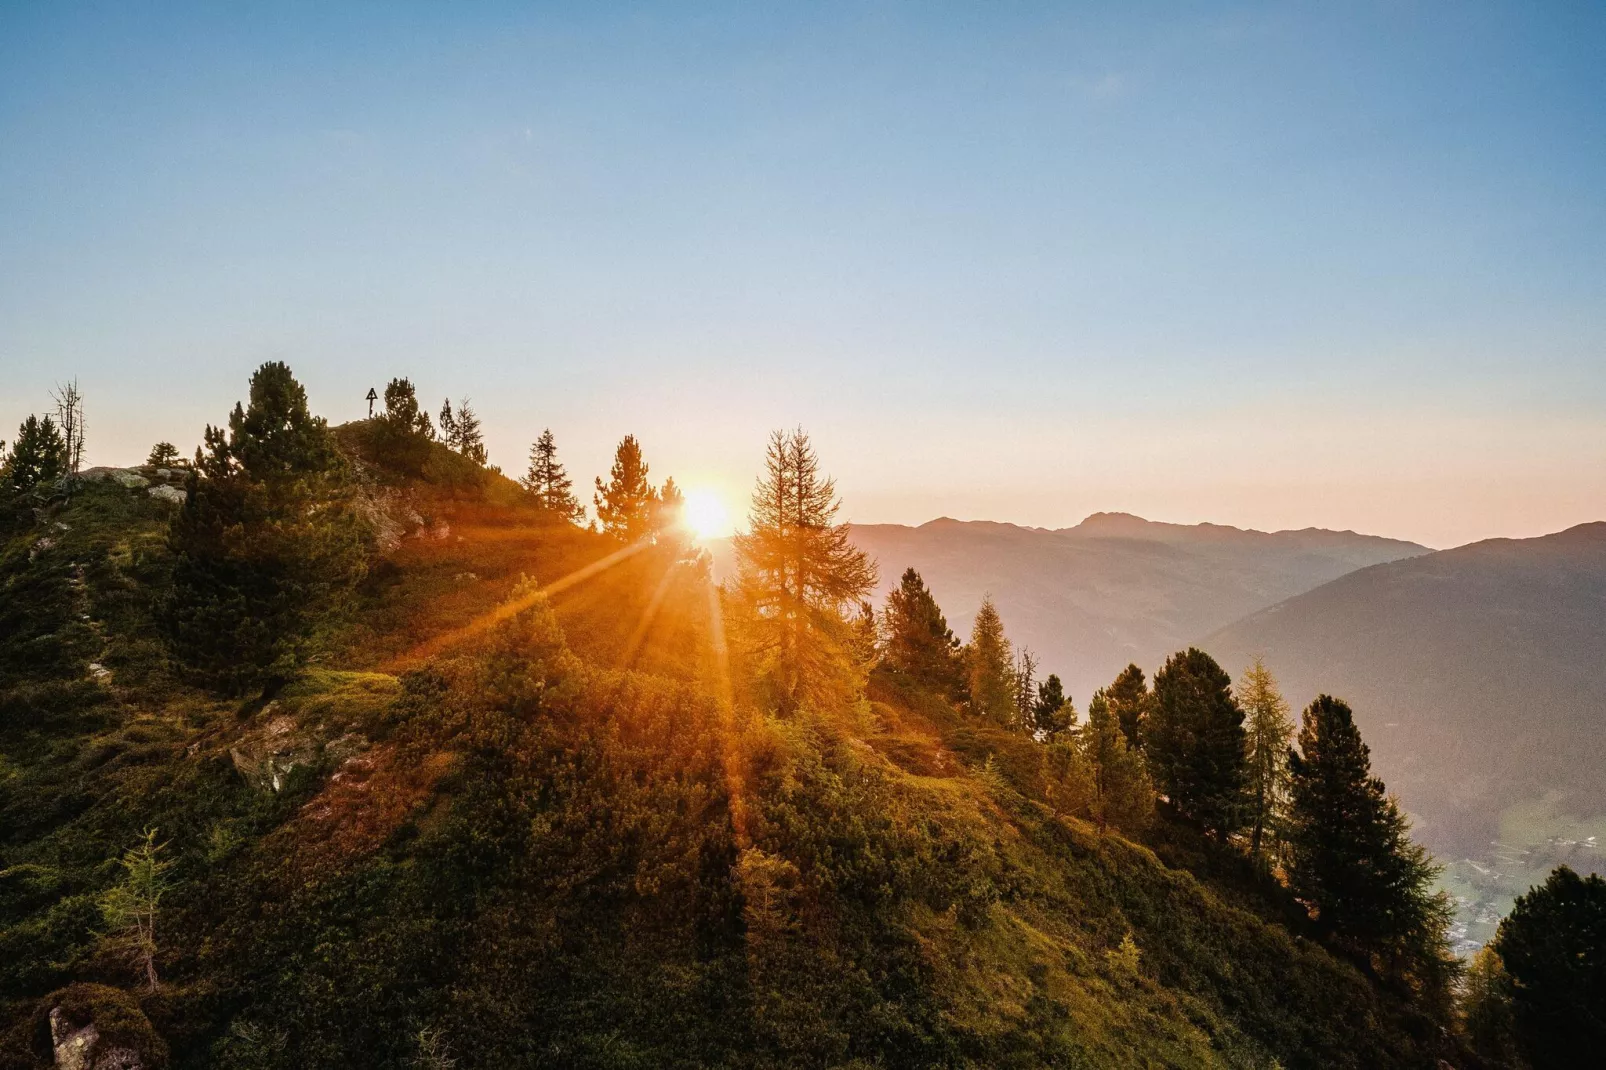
(470,438)
(1553,948)
(550,483)
(798,571)
(627,505)
(1130,698)
(990,661)
(1052,712)
(38,456)
(1122,794)
(164,455)
(266,545)
(448,425)
(1023,676)
(132,906)
(1269,729)
(402,411)
(1194,740)
(1351,857)
(920,646)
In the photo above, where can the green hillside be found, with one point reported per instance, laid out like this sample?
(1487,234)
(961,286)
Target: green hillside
(544,835)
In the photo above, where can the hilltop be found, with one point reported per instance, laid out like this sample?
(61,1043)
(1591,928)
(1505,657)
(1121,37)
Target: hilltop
(507,810)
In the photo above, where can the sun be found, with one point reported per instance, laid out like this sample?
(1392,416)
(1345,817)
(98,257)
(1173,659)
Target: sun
(704,514)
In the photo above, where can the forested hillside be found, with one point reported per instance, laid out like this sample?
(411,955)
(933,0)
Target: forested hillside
(357,753)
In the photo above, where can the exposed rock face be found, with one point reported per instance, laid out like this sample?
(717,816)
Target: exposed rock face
(80,1049)
(127,478)
(166,492)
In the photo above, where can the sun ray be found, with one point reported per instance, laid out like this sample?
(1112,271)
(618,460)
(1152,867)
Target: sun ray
(648,615)
(513,606)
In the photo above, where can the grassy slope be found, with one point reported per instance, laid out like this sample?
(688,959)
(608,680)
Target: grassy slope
(553,860)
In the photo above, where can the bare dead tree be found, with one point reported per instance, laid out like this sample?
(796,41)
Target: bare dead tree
(70,418)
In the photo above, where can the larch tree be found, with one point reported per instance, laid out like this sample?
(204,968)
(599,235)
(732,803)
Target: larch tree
(1351,857)
(1195,742)
(1553,948)
(1130,698)
(1269,728)
(798,573)
(470,438)
(627,505)
(990,661)
(1122,794)
(919,644)
(547,480)
(1024,678)
(130,908)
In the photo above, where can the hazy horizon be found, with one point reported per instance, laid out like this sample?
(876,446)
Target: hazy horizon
(1274,268)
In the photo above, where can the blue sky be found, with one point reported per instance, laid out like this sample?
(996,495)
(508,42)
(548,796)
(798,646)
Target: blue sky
(1271,265)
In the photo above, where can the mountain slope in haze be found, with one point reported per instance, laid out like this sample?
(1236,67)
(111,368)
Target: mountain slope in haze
(1115,588)
(1478,676)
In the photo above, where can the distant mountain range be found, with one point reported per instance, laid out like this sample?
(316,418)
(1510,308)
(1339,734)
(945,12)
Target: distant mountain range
(1115,588)
(1477,674)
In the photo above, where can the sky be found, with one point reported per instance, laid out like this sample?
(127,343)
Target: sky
(1277,265)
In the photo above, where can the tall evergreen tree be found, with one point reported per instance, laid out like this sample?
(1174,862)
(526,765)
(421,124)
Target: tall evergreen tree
(1351,857)
(1122,793)
(550,483)
(1269,729)
(1024,679)
(798,571)
(920,646)
(627,504)
(990,661)
(402,411)
(266,545)
(1553,947)
(470,438)
(1194,740)
(1129,697)
(1053,712)
(448,425)
(38,456)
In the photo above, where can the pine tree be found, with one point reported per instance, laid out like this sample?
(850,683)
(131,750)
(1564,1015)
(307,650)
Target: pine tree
(448,426)
(1553,947)
(989,658)
(266,546)
(1488,1019)
(1269,729)
(38,456)
(1194,740)
(920,646)
(798,570)
(164,455)
(1052,712)
(402,411)
(470,438)
(1351,857)
(550,483)
(1130,698)
(627,505)
(1122,793)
